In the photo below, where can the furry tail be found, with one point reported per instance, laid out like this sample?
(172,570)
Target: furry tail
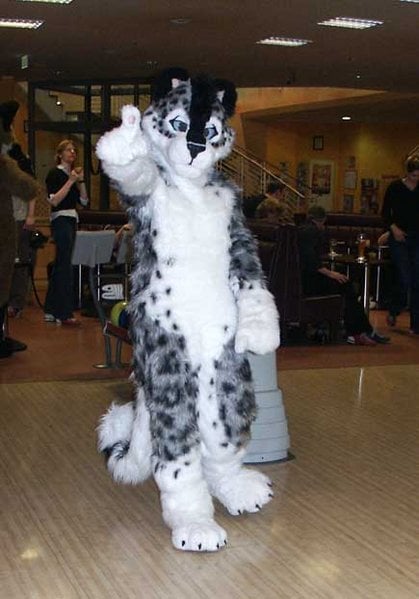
(124,438)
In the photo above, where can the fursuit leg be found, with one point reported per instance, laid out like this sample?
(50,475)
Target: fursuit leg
(223,417)
(187,504)
(239,489)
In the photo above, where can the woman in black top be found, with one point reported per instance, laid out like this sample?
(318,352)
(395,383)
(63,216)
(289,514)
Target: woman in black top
(66,188)
(401,214)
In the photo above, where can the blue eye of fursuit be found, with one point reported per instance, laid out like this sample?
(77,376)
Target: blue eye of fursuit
(210,131)
(179,125)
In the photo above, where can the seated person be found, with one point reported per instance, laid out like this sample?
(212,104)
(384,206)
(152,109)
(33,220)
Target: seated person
(273,206)
(317,279)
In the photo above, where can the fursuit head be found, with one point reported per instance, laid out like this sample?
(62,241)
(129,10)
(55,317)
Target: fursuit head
(198,303)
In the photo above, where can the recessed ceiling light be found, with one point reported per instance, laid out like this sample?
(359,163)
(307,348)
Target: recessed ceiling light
(346,118)
(284,41)
(180,21)
(350,23)
(49,1)
(20,23)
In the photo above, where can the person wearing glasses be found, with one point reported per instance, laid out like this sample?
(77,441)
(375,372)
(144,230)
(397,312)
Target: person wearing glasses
(66,190)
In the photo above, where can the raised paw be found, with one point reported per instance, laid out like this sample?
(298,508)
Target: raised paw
(248,491)
(123,144)
(199,536)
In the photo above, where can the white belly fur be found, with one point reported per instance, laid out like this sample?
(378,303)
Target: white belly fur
(192,245)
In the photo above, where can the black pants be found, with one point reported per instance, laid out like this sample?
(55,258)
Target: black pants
(60,299)
(354,317)
(405,257)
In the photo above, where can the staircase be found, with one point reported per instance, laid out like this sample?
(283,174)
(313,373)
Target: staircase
(414,152)
(253,175)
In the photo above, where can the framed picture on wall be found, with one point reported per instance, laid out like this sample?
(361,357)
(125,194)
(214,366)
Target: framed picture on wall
(322,182)
(318,142)
(348,202)
(349,181)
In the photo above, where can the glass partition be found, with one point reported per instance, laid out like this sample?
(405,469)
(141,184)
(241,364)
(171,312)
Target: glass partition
(81,112)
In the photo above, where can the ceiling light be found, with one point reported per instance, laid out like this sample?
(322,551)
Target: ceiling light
(413,1)
(350,23)
(180,21)
(20,23)
(49,1)
(346,118)
(283,41)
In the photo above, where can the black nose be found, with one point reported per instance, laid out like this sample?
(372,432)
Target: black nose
(195,148)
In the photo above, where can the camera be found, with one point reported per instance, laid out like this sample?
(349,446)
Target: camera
(37,240)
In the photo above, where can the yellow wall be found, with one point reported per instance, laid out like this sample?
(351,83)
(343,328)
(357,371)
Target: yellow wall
(379,149)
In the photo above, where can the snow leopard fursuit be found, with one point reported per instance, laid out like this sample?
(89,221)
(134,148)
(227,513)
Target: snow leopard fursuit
(199,302)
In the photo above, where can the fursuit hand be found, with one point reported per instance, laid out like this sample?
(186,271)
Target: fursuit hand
(258,322)
(125,143)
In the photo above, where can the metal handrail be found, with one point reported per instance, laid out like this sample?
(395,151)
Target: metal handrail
(253,176)
(243,154)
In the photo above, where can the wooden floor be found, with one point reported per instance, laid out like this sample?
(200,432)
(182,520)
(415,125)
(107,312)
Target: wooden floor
(344,523)
(58,353)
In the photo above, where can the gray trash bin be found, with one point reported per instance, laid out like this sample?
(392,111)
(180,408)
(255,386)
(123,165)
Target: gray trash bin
(269,433)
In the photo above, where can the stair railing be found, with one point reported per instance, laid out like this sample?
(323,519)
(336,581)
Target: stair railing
(253,177)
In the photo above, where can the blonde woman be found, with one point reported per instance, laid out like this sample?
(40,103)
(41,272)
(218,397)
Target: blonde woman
(66,189)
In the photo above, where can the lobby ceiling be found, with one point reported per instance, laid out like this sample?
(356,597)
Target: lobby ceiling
(116,39)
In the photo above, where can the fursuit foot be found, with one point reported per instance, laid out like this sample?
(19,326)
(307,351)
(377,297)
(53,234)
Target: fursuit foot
(204,535)
(247,491)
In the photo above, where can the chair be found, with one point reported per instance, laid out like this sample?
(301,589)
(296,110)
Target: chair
(282,269)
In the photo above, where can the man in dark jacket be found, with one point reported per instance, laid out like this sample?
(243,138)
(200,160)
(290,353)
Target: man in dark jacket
(13,182)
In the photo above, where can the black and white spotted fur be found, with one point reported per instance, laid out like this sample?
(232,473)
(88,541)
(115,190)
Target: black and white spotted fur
(199,302)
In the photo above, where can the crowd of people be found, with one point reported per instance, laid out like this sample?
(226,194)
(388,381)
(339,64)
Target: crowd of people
(66,190)
(400,214)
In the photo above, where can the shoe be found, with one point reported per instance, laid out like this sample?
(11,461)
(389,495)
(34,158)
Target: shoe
(391,320)
(14,312)
(15,345)
(361,339)
(69,322)
(381,339)
(49,317)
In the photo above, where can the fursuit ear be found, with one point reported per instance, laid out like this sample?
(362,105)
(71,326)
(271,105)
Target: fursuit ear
(226,93)
(167,80)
